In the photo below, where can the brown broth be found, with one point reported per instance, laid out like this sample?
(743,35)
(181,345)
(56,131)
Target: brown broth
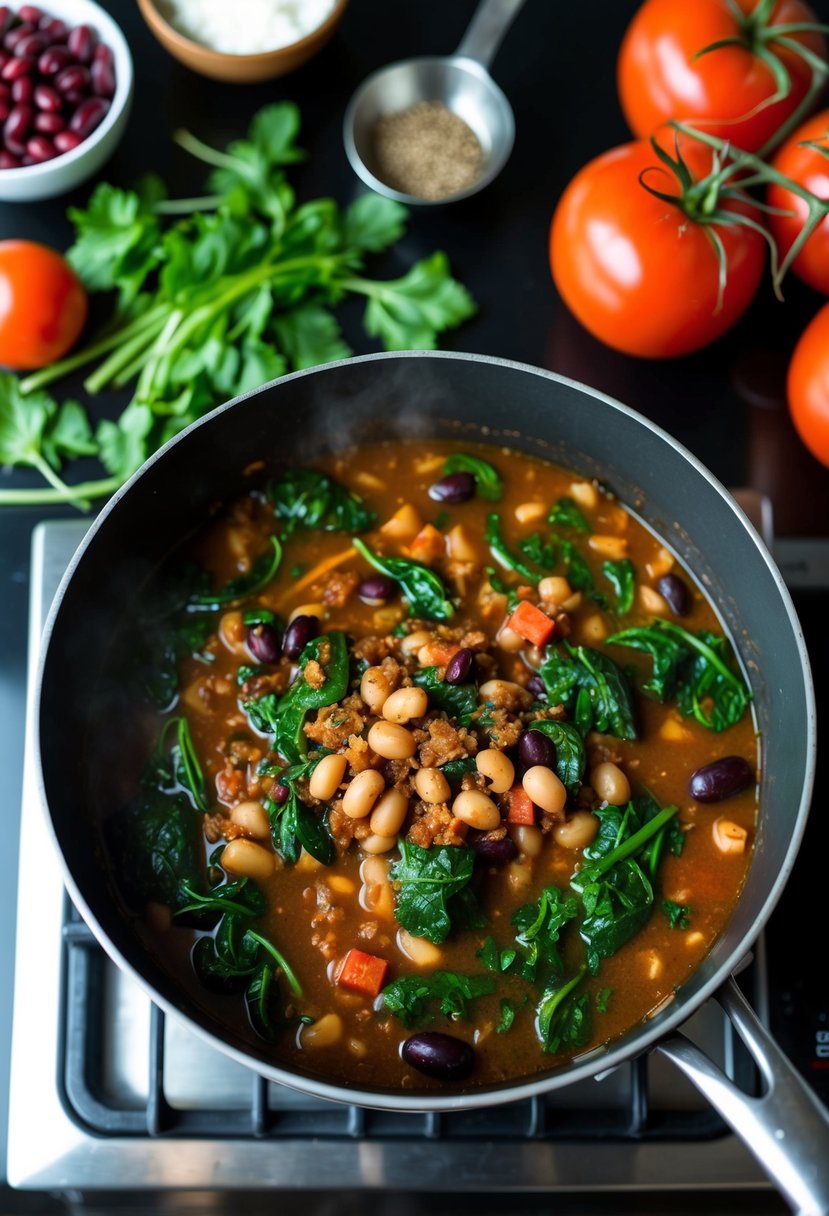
(316,913)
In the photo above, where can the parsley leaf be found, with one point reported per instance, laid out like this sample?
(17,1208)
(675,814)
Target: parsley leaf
(409,313)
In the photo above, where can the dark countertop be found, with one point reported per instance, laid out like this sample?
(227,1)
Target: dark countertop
(557,68)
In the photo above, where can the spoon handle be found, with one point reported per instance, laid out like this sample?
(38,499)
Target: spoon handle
(490,22)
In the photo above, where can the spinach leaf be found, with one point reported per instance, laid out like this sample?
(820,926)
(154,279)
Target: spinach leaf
(566,514)
(579,574)
(679,915)
(539,927)
(593,688)
(425,880)
(158,849)
(259,575)
(622,577)
(694,668)
(239,898)
(252,939)
(455,770)
(501,551)
(178,767)
(488,483)
(570,751)
(213,971)
(312,499)
(295,826)
(263,1003)
(495,959)
(422,587)
(541,553)
(563,1016)
(459,701)
(508,1012)
(409,997)
(284,717)
(603,999)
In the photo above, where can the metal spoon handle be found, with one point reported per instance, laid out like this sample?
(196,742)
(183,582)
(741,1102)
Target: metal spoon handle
(490,22)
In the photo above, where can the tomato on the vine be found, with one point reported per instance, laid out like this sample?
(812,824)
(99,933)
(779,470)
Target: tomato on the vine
(642,272)
(809,168)
(726,92)
(43,305)
(808,386)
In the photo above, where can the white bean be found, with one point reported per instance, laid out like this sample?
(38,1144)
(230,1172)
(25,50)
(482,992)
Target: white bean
(476,810)
(362,793)
(576,832)
(326,777)
(391,741)
(431,785)
(247,859)
(545,789)
(389,813)
(253,819)
(498,767)
(405,704)
(610,783)
(374,688)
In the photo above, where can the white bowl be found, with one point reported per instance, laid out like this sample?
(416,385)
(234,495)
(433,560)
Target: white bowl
(68,170)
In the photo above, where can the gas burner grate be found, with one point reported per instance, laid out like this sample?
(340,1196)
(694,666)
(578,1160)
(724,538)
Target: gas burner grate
(260,1109)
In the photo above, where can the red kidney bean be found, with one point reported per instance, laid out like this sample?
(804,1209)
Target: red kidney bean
(53,60)
(47,98)
(5,108)
(30,13)
(103,54)
(16,68)
(456,487)
(15,34)
(49,124)
(75,97)
(5,17)
(16,126)
(495,852)
(376,589)
(54,29)
(41,148)
(459,666)
(23,88)
(27,159)
(534,747)
(103,79)
(31,46)
(81,42)
(7,161)
(675,593)
(4,58)
(264,642)
(66,141)
(535,685)
(299,634)
(89,115)
(74,76)
(721,779)
(5,91)
(439,1055)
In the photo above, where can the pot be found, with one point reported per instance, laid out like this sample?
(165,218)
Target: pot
(471,397)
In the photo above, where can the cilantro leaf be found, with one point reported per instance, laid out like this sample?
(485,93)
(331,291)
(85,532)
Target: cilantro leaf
(425,880)
(116,240)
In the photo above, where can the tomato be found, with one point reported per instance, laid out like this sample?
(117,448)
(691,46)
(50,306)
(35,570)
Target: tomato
(808,386)
(660,78)
(43,305)
(809,168)
(637,271)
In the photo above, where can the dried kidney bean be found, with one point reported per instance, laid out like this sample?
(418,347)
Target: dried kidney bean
(89,115)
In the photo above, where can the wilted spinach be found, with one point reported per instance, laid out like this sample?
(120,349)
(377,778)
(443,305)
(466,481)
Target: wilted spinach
(311,499)
(259,575)
(488,483)
(563,1016)
(425,881)
(539,927)
(503,554)
(295,826)
(171,768)
(570,751)
(422,587)
(622,577)
(410,997)
(593,688)
(459,701)
(158,849)
(566,514)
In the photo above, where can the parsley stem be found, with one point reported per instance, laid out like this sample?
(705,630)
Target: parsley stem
(185,206)
(78,494)
(105,373)
(211,156)
(88,354)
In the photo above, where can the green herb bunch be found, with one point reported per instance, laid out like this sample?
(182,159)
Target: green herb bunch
(214,297)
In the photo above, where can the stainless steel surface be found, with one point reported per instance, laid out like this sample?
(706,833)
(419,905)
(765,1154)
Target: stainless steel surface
(461,81)
(49,1149)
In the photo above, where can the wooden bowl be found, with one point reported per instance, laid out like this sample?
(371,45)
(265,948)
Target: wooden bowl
(239,69)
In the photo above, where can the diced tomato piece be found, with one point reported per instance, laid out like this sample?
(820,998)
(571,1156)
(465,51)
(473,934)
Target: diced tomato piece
(428,545)
(531,623)
(521,806)
(363,972)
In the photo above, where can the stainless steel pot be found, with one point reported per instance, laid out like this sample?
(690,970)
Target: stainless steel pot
(463,396)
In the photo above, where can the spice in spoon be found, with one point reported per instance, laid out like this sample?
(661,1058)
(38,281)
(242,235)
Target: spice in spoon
(426,151)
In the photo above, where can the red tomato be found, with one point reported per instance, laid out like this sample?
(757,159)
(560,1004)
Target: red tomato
(43,305)
(637,271)
(807,167)
(808,386)
(660,78)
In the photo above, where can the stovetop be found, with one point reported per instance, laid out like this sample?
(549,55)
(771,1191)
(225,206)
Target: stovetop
(110,1094)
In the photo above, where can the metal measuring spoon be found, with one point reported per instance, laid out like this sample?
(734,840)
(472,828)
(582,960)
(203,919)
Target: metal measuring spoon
(460,81)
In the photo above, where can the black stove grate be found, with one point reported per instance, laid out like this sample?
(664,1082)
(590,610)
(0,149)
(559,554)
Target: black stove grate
(90,1103)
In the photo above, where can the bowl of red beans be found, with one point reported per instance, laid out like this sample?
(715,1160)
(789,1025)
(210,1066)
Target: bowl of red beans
(66,81)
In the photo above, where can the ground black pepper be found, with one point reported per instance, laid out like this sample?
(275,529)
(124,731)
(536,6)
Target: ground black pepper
(426,151)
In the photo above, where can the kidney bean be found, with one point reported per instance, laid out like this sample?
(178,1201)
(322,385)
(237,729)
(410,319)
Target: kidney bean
(5,17)
(88,116)
(48,123)
(16,68)
(4,58)
(53,60)
(298,635)
(495,852)
(103,54)
(377,588)
(31,46)
(30,13)
(16,126)
(535,685)
(721,779)
(455,487)
(74,76)
(41,148)
(534,747)
(66,141)
(264,643)
(47,98)
(103,79)
(439,1055)
(459,666)
(81,42)
(8,161)
(675,593)
(75,97)
(23,88)
(54,29)
(15,34)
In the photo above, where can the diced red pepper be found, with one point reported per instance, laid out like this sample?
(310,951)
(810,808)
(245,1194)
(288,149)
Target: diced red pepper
(521,806)
(363,972)
(531,623)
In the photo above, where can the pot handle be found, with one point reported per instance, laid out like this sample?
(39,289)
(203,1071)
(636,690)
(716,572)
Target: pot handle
(787,1128)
